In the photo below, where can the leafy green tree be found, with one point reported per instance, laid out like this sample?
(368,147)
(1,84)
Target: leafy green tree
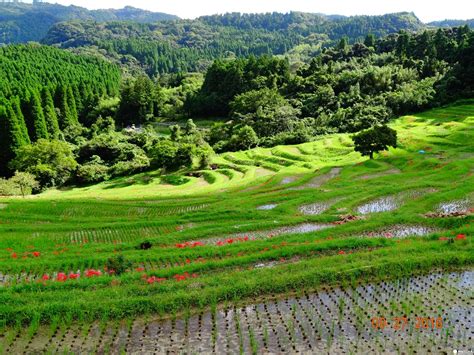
(25,182)
(244,139)
(93,171)
(251,101)
(52,162)
(374,140)
(138,103)
(190,128)
(343,44)
(370,40)
(164,154)
(176,133)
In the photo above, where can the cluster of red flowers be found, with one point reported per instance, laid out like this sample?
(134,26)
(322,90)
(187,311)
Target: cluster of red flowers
(152,279)
(458,237)
(232,240)
(93,273)
(189,245)
(184,276)
(14,255)
(61,276)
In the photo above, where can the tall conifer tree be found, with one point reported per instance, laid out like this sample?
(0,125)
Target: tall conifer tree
(50,115)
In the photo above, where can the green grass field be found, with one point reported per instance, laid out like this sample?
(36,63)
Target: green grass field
(78,229)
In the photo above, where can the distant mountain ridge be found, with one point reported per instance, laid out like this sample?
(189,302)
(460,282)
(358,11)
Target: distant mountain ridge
(452,23)
(22,22)
(192,45)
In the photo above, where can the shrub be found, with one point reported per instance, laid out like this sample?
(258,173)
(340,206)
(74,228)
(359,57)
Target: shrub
(117,265)
(93,171)
(24,182)
(244,139)
(174,180)
(52,162)
(7,188)
(163,154)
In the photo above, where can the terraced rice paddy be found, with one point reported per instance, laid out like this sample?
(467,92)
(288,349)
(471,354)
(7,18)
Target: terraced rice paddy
(396,316)
(246,261)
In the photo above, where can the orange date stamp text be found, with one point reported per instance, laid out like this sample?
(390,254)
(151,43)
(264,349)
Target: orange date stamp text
(402,323)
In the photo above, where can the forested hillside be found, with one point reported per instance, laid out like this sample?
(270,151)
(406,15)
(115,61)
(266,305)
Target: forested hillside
(345,89)
(22,22)
(77,119)
(46,91)
(192,45)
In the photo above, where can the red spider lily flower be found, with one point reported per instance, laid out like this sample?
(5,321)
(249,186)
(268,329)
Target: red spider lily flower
(197,244)
(36,254)
(194,276)
(61,277)
(443,238)
(140,269)
(341,252)
(14,256)
(220,243)
(461,237)
(45,277)
(182,277)
(188,261)
(150,280)
(246,238)
(180,246)
(230,241)
(73,276)
(92,273)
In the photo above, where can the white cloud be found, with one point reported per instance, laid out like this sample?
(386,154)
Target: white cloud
(426,10)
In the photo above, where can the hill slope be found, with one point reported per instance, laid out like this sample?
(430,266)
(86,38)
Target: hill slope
(446,134)
(226,241)
(20,22)
(191,45)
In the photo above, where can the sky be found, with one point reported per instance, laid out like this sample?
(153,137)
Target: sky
(426,10)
